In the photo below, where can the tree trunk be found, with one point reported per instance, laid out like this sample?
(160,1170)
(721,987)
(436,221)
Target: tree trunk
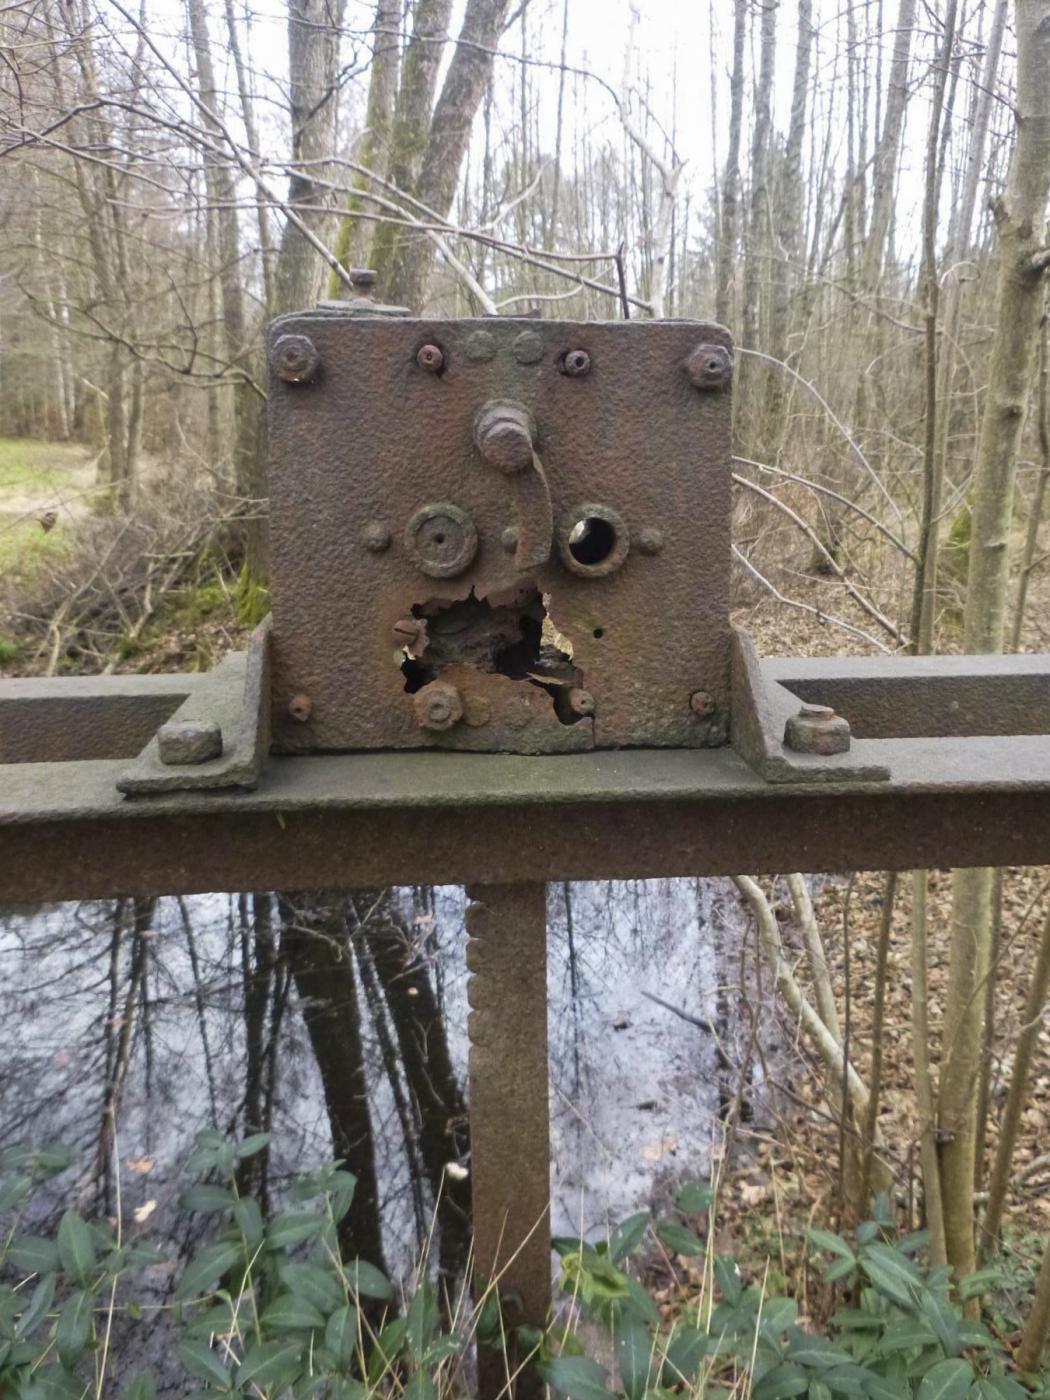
(1020,217)
(731,179)
(884,179)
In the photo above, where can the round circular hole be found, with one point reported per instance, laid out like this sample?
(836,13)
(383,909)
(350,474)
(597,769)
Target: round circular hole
(592,540)
(598,633)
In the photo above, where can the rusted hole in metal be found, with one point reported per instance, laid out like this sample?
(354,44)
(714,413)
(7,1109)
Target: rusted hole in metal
(598,633)
(515,639)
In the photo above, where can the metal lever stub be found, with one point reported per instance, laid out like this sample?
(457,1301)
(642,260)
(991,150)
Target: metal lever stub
(504,435)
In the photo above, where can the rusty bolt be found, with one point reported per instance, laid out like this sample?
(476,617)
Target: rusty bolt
(375,536)
(438,706)
(295,359)
(411,634)
(503,434)
(702,703)
(430,358)
(188,741)
(817,729)
(575,363)
(581,702)
(710,366)
(650,540)
(476,711)
(527,348)
(363,277)
(300,707)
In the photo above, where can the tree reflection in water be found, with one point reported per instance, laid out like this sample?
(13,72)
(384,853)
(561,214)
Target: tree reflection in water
(338,1024)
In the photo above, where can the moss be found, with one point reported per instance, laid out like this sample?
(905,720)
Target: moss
(251,598)
(10,649)
(955,553)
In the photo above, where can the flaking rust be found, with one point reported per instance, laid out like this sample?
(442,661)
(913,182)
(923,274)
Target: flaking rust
(448,497)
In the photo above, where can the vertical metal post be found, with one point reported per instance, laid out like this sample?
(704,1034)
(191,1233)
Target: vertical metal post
(509,1109)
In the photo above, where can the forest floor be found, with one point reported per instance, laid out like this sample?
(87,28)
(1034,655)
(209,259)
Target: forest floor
(37,478)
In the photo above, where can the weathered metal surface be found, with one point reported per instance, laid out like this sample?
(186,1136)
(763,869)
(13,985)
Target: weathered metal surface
(354,821)
(234,701)
(509,1101)
(79,717)
(188,741)
(817,729)
(622,436)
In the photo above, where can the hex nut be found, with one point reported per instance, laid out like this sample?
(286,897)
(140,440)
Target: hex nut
(294,359)
(817,729)
(300,708)
(575,363)
(182,742)
(363,277)
(438,706)
(709,366)
(431,358)
(503,434)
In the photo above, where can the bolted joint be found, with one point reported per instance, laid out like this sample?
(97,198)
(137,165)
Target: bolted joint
(294,359)
(300,708)
(709,366)
(503,435)
(438,706)
(575,363)
(702,703)
(182,742)
(817,729)
(431,358)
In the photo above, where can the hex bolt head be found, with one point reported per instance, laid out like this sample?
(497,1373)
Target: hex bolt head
(503,435)
(709,366)
(702,703)
(650,540)
(375,537)
(294,359)
(431,358)
(300,708)
(575,363)
(817,729)
(363,277)
(438,706)
(181,742)
(581,702)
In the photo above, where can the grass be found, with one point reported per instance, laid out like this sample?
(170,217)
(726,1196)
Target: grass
(29,468)
(25,464)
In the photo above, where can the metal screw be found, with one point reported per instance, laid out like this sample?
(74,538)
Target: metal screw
(375,536)
(575,363)
(817,729)
(581,702)
(702,703)
(181,742)
(295,359)
(300,707)
(411,634)
(709,366)
(438,706)
(650,540)
(430,358)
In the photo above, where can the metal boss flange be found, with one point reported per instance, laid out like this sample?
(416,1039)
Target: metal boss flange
(442,539)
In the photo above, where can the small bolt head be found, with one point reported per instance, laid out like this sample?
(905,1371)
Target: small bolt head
(182,742)
(575,363)
(375,537)
(581,702)
(300,708)
(509,539)
(476,711)
(480,346)
(650,540)
(363,277)
(817,729)
(295,359)
(702,703)
(527,348)
(410,633)
(438,706)
(431,358)
(709,366)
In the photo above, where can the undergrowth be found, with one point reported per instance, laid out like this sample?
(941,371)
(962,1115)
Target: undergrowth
(273,1307)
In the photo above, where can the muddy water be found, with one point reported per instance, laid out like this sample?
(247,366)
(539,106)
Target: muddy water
(340,1026)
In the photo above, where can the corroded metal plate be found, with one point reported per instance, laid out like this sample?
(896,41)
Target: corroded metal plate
(388,508)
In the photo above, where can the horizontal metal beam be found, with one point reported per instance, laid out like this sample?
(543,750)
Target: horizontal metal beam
(374,819)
